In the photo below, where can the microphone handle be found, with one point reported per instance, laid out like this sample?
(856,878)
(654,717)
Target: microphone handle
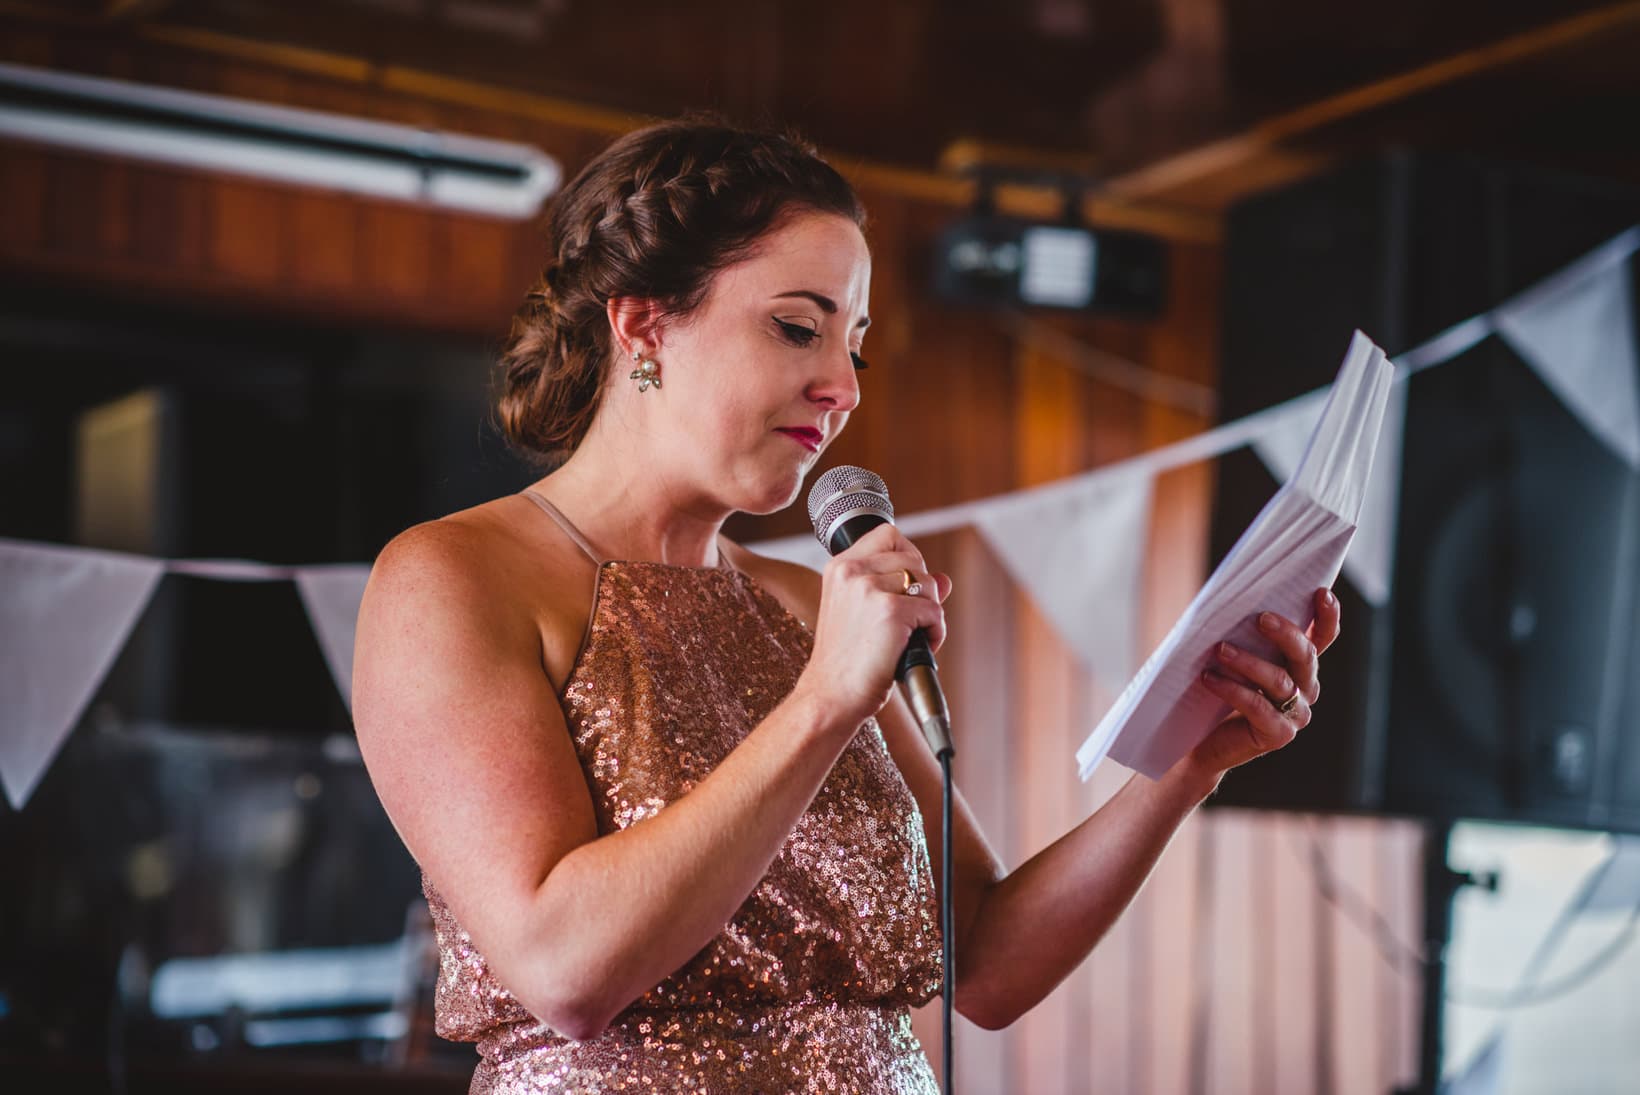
(917,672)
(920,681)
(916,653)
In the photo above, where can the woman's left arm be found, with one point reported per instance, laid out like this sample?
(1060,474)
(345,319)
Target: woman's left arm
(1020,933)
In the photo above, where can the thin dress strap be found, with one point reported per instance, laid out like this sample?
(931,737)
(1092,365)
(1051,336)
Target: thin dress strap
(724,562)
(564,523)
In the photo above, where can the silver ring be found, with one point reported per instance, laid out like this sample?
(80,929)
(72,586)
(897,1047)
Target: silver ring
(1289,705)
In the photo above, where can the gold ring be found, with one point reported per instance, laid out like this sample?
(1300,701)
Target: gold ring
(1289,705)
(910,587)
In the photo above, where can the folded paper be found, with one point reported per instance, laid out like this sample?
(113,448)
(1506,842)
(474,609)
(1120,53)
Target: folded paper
(1295,546)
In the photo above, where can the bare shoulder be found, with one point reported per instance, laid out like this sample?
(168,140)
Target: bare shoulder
(468,542)
(451,559)
(460,728)
(493,566)
(436,602)
(794,585)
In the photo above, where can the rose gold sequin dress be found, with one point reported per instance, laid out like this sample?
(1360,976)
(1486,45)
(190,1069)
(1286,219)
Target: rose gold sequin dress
(808,987)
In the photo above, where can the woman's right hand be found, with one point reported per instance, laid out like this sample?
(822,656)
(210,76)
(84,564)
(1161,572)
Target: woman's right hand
(866,618)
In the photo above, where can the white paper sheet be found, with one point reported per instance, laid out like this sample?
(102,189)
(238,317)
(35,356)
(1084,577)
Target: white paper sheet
(1295,546)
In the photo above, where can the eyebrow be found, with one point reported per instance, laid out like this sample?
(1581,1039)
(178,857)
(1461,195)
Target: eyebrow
(827,305)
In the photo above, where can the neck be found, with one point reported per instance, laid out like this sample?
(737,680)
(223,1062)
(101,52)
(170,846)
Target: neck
(628,507)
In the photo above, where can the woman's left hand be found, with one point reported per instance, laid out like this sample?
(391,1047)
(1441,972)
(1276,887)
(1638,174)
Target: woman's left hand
(1255,688)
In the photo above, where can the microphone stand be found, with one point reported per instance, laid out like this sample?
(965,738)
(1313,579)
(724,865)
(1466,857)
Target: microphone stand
(845,504)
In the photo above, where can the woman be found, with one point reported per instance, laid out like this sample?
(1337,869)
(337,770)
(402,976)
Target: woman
(667,804)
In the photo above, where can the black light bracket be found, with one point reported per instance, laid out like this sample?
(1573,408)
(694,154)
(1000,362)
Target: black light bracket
(988,259)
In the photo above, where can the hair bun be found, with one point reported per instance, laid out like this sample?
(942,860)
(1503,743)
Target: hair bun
(657,215)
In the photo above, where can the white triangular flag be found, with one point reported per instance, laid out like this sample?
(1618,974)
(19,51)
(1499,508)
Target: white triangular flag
(1371,562)
(1484,1073)
(1615,886)
(1078,549)
(1576,330)
(65,613)
(331,596)
(1281,445)
(803,550)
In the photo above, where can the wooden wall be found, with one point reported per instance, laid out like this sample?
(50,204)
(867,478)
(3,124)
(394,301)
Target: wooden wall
(1230,974)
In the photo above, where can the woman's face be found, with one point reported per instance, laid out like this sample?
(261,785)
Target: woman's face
(760,379)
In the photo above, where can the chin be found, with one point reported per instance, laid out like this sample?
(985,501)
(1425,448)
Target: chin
(773,496)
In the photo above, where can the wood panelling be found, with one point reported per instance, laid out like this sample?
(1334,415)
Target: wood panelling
(246,227)
(24,180)
(1230,973)
(325,246)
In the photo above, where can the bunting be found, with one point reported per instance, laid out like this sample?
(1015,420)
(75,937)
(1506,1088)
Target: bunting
(1076,547)
(1371,560)
(1079,547)
(331,596)
(65,614)
(1576,330)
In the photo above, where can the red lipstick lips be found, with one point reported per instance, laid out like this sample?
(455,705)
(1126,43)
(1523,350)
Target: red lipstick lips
(803,435)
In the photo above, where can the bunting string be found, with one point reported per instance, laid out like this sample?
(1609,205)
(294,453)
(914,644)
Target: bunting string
(1077,546)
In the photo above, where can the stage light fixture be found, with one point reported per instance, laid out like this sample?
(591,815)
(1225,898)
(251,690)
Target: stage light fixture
(995,261)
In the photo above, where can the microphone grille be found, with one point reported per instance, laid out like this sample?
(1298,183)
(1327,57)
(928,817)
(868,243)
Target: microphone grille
(844,489)
(844,479)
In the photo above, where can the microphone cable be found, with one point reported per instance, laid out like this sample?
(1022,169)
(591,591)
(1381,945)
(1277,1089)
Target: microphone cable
(845,504)
(948,931)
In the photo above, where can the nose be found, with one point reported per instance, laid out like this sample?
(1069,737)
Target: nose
(836,385)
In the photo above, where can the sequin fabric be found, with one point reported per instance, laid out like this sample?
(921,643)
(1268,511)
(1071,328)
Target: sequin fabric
(808,987)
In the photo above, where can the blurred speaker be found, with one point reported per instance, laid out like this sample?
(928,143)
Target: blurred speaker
(1503,682)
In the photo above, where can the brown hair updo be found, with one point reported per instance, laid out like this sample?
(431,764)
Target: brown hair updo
(655,216)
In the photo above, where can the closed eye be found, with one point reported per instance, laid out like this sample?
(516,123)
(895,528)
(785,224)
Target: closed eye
(799,335)
(796,333)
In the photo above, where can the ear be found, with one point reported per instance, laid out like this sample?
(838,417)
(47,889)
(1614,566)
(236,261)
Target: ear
(634,321)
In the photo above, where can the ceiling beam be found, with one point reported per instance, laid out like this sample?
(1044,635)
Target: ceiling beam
(1022,200)
(1210,165)
(130,11)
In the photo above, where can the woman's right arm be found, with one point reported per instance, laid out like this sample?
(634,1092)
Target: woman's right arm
(467,746)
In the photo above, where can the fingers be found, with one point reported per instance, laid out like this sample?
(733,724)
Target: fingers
(1271,729)
(1268,678)
(934,589)
(890,576)
(1299,652)
(885,539)
(1327,623)
(891,571)
(928,614)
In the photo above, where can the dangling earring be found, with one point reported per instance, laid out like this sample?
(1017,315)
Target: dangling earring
(647,374)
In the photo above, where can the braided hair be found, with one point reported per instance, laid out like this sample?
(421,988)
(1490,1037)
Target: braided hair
(655,216)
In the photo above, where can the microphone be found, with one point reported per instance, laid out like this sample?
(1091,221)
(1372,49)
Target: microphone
(844,504)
